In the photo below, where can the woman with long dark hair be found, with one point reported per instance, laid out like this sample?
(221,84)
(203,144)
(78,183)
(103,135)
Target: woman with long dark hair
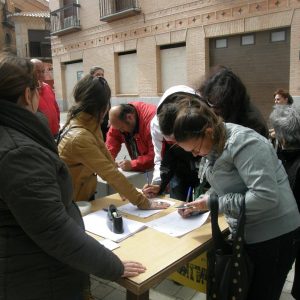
(226,94)
(82,148)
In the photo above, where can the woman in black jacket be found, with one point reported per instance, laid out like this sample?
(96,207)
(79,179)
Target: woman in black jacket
(285,120)
(45,253)
(224,92)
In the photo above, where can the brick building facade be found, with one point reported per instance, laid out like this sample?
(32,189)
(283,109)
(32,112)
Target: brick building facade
(146,46)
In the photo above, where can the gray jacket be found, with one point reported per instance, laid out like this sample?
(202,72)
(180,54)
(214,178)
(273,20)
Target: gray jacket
(249,168)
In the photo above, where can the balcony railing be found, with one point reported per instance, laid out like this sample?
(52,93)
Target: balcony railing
(65,20)
(38,50)
(111,10)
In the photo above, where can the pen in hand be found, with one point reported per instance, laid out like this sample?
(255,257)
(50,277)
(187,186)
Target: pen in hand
(148,179)
(184,205)
(188,194)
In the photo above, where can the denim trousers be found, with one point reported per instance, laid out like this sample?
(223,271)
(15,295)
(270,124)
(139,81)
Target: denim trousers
(272,261)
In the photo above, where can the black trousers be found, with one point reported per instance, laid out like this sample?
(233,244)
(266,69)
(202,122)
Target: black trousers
(296,284)
(179,189)
(272,261)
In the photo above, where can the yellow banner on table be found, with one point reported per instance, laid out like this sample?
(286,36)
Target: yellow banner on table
(193,274)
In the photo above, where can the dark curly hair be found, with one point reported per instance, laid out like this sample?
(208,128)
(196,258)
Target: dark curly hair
(224,91)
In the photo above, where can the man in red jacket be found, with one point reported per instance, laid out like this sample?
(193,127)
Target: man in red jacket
(130,124)
(47,102)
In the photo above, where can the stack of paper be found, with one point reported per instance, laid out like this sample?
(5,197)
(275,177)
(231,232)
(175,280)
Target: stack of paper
(173,224)
(97,224)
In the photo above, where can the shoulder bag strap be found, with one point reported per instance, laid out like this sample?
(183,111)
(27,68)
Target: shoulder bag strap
(217,236)
(61,134)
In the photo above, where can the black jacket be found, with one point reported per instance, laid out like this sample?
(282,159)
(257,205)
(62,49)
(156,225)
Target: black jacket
(291,161)
(252,118)
(44,251)
(180,163)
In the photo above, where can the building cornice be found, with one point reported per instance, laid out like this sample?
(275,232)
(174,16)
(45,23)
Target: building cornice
(236,19)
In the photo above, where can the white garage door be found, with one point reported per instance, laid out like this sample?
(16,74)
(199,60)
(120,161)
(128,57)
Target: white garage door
(73,73)
(173,67)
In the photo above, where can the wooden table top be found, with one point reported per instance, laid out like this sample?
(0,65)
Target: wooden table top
(160,253)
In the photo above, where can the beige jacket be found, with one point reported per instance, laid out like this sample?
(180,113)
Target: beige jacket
(84,151)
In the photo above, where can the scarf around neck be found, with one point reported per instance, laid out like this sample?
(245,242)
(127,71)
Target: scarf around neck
(27,123)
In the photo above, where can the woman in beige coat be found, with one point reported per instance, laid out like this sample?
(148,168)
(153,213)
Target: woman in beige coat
(82,148)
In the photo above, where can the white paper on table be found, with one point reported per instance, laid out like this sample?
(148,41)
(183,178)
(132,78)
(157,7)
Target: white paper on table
(109,244)
(173,224)
(135,211)
(97,223)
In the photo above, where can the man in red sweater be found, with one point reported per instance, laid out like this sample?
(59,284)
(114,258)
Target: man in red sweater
(130,124)
(47,102)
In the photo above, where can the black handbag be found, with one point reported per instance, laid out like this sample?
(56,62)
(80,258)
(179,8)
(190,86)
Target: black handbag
(229,269)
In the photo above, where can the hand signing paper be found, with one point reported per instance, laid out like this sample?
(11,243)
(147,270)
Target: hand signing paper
(125,165)
(199,204)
